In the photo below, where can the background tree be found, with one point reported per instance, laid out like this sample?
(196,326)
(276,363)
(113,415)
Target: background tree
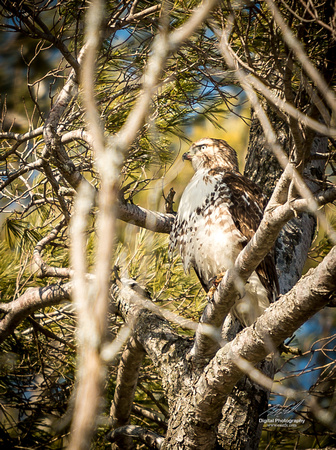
(108,88)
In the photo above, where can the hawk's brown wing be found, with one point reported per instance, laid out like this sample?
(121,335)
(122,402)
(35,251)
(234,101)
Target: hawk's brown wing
(246,207)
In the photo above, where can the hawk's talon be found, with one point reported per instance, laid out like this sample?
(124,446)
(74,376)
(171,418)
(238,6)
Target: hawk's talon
(214,283)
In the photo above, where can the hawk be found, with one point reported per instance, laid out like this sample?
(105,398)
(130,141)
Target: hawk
(219,212)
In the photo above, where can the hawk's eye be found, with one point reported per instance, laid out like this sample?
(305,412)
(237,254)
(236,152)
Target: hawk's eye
(203,147)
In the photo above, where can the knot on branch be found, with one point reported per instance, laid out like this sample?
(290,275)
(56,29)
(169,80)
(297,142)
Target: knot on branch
(169,201)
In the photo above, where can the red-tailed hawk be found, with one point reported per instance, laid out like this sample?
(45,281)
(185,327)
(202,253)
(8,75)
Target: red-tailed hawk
(219,212)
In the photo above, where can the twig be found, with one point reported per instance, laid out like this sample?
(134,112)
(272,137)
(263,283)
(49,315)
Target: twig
(151,439)
(300,53)
(45,269)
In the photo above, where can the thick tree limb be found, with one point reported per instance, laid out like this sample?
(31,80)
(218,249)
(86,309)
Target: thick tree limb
(141,217)
(33,299)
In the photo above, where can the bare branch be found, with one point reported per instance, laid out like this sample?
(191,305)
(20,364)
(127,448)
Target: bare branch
(151,415)
(39,29)
(21,171)
(141,217)
(151,439)
(19,137)
(32,300)
(127,379)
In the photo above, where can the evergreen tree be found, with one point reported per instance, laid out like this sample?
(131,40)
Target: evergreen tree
(97,321)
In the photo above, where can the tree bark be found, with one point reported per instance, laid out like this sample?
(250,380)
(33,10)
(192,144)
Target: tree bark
(127,379)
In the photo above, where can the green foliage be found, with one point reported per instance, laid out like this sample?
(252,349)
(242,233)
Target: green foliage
(19,233)
(145,258)
(323,243)
(9,269)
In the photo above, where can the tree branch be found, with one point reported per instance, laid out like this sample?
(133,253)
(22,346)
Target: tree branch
(141,217)
(30,301)
(151,439)
(127,379)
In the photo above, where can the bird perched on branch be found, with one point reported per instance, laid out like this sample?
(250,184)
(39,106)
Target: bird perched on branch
(219,212)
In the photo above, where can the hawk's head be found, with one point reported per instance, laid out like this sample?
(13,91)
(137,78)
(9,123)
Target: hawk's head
(208,153)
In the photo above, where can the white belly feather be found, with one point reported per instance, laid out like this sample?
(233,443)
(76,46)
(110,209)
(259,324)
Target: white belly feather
(210,241)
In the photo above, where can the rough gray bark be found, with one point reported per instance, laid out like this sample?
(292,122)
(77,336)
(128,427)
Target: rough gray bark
(240,427)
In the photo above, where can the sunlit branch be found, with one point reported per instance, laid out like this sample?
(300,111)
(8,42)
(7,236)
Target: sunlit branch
(145,218)
(32,300)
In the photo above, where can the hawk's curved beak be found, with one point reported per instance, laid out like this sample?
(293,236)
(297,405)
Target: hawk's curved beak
(187,156)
